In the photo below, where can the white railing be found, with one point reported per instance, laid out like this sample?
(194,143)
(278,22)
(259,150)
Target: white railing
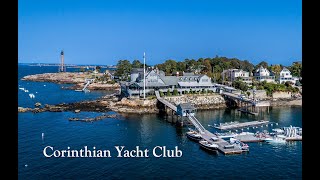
(196,123)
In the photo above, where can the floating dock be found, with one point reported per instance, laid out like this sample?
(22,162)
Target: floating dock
(206,135)
(222,144)
(235,125)
(249,138)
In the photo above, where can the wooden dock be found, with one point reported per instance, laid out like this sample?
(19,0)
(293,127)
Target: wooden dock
(206,135)
(222,143)
(249,138)
(236,125)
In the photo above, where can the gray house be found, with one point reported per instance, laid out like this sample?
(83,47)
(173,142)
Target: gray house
(185,108)
(156,80)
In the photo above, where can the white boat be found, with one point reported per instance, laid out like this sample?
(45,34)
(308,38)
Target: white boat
(208,146)
(278,131)
(278,140)
(194,135)
(268,139)
(233,140)
(31,96)
(226,135)
(245,133)
(275,139)
(244,146)
(281,136)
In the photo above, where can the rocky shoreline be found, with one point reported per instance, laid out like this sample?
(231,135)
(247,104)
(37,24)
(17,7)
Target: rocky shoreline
(138,106)
(286,102)
(78,79)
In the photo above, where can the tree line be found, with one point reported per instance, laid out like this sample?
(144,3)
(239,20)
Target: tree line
(212,67)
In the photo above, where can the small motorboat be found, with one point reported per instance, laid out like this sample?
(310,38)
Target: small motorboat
(245,133)
(194,135)
(268,139)
(233,140)
(244,146)
(275,139)
(208,146)
(278,140)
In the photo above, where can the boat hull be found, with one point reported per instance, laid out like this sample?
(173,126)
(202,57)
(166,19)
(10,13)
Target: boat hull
(211,149)
(194,138)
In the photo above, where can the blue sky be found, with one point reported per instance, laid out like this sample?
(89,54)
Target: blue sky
(104,31)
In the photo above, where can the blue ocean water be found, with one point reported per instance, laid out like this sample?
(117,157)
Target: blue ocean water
(264,161)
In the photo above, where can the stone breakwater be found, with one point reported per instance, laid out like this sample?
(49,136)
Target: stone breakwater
(78,79)
(286,102)
(214,101)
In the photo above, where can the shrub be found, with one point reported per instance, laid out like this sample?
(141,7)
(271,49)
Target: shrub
(161,94)
(175,92)
(168,93)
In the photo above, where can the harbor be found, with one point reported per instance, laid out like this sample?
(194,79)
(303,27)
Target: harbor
(187,110)
(229,143)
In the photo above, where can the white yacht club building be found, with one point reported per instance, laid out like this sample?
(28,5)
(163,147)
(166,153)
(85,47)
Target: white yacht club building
(156,80)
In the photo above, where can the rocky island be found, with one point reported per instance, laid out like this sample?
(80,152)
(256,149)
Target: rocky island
(76,78)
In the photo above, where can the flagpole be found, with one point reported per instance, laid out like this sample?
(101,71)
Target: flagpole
(144,75)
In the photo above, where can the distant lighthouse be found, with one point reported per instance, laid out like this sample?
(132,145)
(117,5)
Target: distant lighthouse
(62,67)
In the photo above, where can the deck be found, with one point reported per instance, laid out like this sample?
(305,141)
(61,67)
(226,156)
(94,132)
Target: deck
(221,143)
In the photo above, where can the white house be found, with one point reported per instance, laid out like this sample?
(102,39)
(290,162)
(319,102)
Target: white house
(233,74)
(285,75)
(263,74)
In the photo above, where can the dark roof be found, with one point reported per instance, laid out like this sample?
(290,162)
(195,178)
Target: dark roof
(170,80)
(186,106)
(137,70)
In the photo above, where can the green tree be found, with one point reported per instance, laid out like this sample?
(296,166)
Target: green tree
(169,66)
(263,64)
(137,64)
(168,93)
(206,66)
(98,68)
(161,93)
(123,69)
(248,93)
(276,69)
(296,69)
(181,66)
(175,92)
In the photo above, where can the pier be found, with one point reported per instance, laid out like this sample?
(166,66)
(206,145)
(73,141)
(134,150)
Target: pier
(247,105)
(235,125)
(206,135)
